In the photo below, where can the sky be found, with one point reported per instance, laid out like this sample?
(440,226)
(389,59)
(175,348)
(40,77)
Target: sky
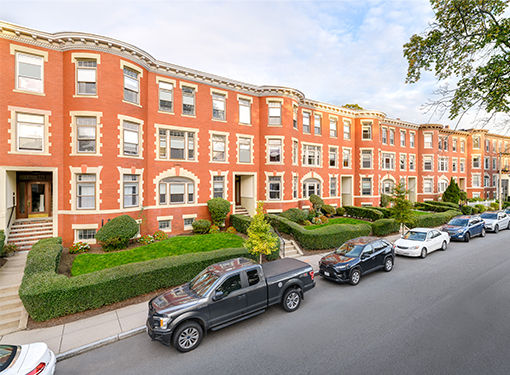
(335,51)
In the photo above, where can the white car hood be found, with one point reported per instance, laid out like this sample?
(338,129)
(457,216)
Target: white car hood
(408,243)
(489,221)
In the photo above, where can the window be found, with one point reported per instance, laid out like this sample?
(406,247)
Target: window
(411,139)
(462,145)
(166,95)
(165,225)
(230,285)
(494,163)
(454,165)
(131,135)
(218,186)
(131,86)
(487,145)
(30,72)
(306,122)
(244,150)
(188,101)
(440,143)
(275,150)
(387,186)
(275,187)
(427,140)
(311,155)
(454,145)
(333,187)
(403,138)
(130,190)
(441,186)
(366,159)
(253,277)
(333,156)
(182,144)
(411,162)
(86,191)
(275,113)
(188,222)
(462,165)
(86,134)
(295,152)
(317,125)
(384,135)
(295,187)
(311,186)
(476,181)
(333,132)
(219,147)
(346,158)
(486,181)
(487,162)
(494,145)
(294,116)
(176,190)
(476,161)
(30,130)
(402,162)
(387,161)
(442,164)
(244,111)
(366,131)
(347,129)
(85,234)
(218,104)
(476,142)
(427,186)
(366,186)
(86,77)
(392,137)
(427,163)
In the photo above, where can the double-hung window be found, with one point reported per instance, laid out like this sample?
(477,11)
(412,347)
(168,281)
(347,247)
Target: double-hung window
(476,142)
(411,162)
(333,187)
(476,181)
(188,101)
(218,102)
(462,146)
(476,161)
(494,163)
(86,134)
(317,125)
(275,113)
(347,129)
(30,130)
(131,86)
(427,186)
(445,143)
(218,186)
(487,162)
(366,159)
(275,187)
(387,162)
(130,190)
(131,133)
(366,130)
(333,156)
(486,181)
(427,163)
(295,146)
(333,131)
(295,187)
(441,186)
(392,137)
(30,70)
(442,164)
(86,191)
(182,144)
(440,143)
(311,155)
(366,186)
(454,145)
(244,150)
(411,139)
(294,116)
(346,158)
(219,147)
(384,135)
(454,165)
(402,162)
(306,122)
(402,138)
(427,140)
(275,150)
(462,165)
(244,111)
(87,77)
(487,145)
(166,97)
(176,190)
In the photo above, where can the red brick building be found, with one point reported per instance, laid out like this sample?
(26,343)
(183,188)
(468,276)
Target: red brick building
(92,127)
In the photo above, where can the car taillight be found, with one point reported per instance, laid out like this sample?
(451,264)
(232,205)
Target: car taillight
(40,367)
(311,275)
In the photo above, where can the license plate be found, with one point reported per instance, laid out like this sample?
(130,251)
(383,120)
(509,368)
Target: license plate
(326,273)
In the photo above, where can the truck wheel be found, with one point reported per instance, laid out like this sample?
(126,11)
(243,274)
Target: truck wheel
(188,336)
(291,300)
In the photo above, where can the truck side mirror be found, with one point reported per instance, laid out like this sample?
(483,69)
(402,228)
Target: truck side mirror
(217,296)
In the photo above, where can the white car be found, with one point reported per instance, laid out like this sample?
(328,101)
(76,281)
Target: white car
(494,221)
(418,242)
(36,359)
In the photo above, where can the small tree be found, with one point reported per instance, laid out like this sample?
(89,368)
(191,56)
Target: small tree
(317,203)
(402,207)
(452,192)
(260,238)
(463,196)
(219,209)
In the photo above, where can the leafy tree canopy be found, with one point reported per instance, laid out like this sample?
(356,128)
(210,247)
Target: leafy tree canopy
(452,192)
(353,106)
(469,40)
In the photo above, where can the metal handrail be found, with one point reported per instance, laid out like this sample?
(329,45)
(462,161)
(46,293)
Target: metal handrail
(281,239)
(10,216)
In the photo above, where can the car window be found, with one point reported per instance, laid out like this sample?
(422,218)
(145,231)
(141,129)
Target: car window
(429,235)
(436,233)
(230,285)
(367,249)
(253,277)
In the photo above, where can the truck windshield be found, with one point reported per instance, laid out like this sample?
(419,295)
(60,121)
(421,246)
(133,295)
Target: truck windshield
(350,250)
(203,281)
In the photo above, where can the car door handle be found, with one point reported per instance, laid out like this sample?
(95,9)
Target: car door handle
(242,296)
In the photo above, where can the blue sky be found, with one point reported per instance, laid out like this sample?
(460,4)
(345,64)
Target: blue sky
(333,51)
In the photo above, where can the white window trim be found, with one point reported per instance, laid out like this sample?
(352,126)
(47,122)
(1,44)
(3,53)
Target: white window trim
(364,123)
(120,145)
(75,56)
(273,100)
(169,81)
(310,123)
(372,163)
(177,172)
(413,144)
(251,137)
(176,128)
(303,144)
(120,191)
(137,69)
(194,87)
(431,140)
(223,174)
(223,93)
(250,99)
(165,218)
(74,132)
(298,154)
(77,227)
(282,190)
(15,49)
(13,130)
(337,166)
(350,159)
(280,137)
(431,163)
(227,154)
(73,201)
(189,216)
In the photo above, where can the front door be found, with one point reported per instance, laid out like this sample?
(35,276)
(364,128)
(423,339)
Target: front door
(33,199)
(238,190)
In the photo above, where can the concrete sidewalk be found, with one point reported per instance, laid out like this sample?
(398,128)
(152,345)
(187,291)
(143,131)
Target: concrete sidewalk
(71,339)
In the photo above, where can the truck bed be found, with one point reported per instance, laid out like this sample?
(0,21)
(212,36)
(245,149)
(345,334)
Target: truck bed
(279,268)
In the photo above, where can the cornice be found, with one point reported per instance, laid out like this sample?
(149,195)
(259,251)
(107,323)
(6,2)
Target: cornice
(399,123)
(431,126)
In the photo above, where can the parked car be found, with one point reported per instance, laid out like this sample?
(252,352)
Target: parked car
(34,359)
(223,294)
(494,221)
(507,211)
(464,227)
(356,258)
(419,242)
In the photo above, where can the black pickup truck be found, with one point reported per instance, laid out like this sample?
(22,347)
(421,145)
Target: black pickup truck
(226,293)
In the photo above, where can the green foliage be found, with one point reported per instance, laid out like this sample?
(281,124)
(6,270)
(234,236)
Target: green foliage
(295,214)
(463,196)
(260,238)
(467,210)
(160,235)
(433,206)
(475,210)
(2,242)
(505,205)
(383,227)
(214,229)
(402,207)
(117,232)
(47,295)
(494,206)
(340,211)
(481,208)
(327,237)
(219,209)
(385,200)
(10,248)
(338,220)
(79,247)
(201,226)
(353,106)
(241,223)
(328,210)
(147,239)
(368,213)
(316,202)
(432,220)
(385,211)
(452,193)
(231,230)
(469,41)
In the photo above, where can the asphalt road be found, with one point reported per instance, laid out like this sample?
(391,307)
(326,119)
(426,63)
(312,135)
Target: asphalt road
(446,314)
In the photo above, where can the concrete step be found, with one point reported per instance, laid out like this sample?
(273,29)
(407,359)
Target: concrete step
(12,313)
(4,289)
(10,296)
(29,240)
(30,232)
(9,305)
(9,325)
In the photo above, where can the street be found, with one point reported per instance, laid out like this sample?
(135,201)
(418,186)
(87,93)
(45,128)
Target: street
(445,314)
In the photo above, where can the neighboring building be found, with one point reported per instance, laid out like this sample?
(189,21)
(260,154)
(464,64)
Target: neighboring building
(92,127)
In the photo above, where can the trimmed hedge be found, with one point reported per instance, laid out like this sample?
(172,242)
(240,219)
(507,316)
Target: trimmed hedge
(295,214)
(2,241)
(383,227)
(117,232)
(219,209)
(241,222)
(429,206)
(46,294)
(467,210)
(364,213)
(340,211)
(494,206)
(328,209)
(385,211)
(481,208)
(433,220)
(327,237)
(201,226)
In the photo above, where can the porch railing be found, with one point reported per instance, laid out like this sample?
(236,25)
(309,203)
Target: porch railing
(282,242)
(485,203)
(13,208)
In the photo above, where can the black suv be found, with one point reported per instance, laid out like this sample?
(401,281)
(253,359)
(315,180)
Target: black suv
(357,257)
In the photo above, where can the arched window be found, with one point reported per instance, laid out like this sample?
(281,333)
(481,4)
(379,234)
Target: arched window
(311,186)
(388,186)
(176,190)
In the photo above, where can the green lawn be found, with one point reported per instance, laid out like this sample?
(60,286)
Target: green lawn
(86,263)
(338,220)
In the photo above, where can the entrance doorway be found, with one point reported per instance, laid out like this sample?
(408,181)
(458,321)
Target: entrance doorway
(346,185)
(238,190)
(33,195)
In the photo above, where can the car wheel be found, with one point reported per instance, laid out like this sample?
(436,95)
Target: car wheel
(355,276)
(423,254)
(388,264)
(188,336)
(291,300)
(483,232)
(444,246)
(466,237)
(496,229)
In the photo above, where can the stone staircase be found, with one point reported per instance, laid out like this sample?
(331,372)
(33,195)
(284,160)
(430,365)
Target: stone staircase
(27,232)
(13,316)
(292,250)
(240,210)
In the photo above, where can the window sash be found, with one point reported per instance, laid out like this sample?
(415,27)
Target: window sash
(244,150)
(244,111)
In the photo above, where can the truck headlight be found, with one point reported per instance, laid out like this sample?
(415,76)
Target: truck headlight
(163,321)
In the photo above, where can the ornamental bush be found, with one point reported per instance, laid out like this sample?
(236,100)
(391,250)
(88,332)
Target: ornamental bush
(79,247)
(231,230)
(147,239)
(481,208)
(201,226)
(433,206)
(340,211)
(328,210)
(433,220)
(494,206)
(160,235)
(467,210)
(316,202)
(2,242)
(364,213)
(295,214)
(117,232)
(475,210)
(219,209)
(383,227)
(385,211)
(241,223)
(214,229)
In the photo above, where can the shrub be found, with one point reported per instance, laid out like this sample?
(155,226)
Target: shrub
(452,192)
(328,210)
(295,214)
(383,227)
(340,211)
(10,248)
(46,295)
(433,206)
(494,206)
(160,235)
(201,226)
(214,229)
(475,210)
(364,213)
(147,239)
(327,237)
(231,230)
(117,232)
(316,221)
(323,219)
(307,222)
(219,209)
(261,238)
(433,220)
(467,210)
(385,200)
(79,247)
(241,223)
(505,205)
(2,242)
(316,202)
(385,211)
(481,208)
